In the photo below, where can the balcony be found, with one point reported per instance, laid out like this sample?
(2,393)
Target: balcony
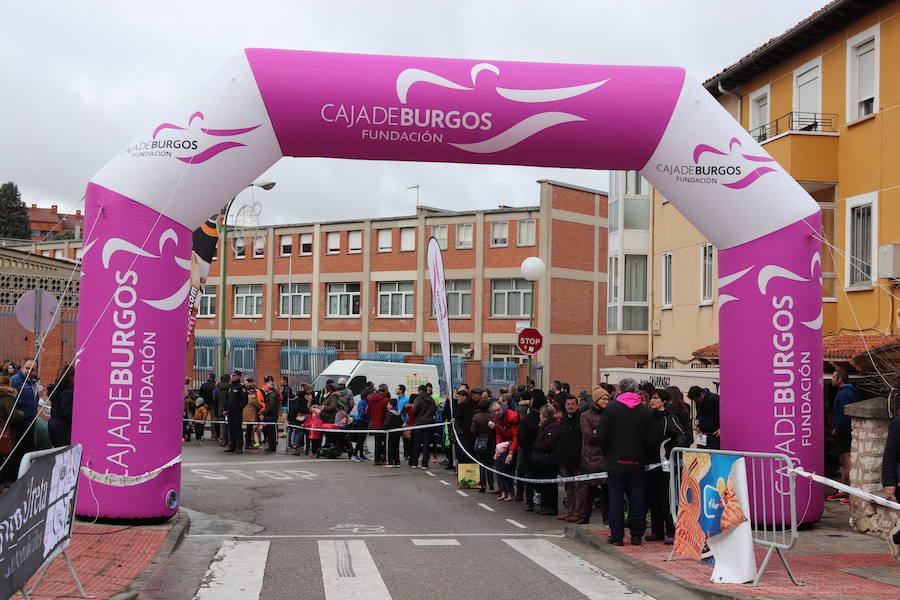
(796,122)
(805,144)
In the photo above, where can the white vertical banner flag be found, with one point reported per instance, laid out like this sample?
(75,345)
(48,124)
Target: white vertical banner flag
(439,301)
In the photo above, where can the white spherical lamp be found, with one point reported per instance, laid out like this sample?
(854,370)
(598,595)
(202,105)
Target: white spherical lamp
(533,268)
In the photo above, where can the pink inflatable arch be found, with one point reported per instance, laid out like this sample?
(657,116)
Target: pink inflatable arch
(265,104)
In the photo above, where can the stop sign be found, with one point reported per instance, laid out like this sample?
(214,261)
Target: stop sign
(530,340)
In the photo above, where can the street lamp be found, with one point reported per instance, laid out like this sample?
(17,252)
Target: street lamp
(221,225)
(533,269)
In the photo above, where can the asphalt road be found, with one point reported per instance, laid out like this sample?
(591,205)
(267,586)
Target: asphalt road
(273,526)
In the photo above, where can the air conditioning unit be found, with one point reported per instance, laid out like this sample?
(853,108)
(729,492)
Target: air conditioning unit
(889,261)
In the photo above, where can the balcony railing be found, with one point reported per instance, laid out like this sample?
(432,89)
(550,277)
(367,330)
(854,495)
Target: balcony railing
(795,121)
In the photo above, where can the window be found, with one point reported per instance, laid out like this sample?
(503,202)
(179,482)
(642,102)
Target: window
(248,300)
(861,240)
(343,345)
(287,245)
(829,273)
(510,297)
(306,244)
(507,353)
(635,185)
(407,239)
(79,254)
(612,294)
(807,95)
(637,213)
(759,113)
(499,234)
(207,306)
(526,232)
(334,242)
(706,274)
(439,232)
(395,299)
(462,350)
(295,299)
(385,240)
(634,305)
(613,184)
(259,247)
(354,242)
(343,299)
(464,235)
(459,298)
(58,253)
(613,224)
(667,280)
(401,347)
(240,247)
(863,73)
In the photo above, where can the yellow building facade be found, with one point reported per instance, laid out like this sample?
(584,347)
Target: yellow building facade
(824,100)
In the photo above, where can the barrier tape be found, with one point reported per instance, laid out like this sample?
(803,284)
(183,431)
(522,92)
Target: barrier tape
(572,479)
(127,480)
(846,488)
(322,429)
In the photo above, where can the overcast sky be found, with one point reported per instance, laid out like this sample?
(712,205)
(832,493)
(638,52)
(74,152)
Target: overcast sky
(78,75)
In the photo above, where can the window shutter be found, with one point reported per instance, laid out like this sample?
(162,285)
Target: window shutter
(808,91)
(865,70)
(762,111)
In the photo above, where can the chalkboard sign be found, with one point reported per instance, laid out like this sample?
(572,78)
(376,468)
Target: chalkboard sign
(36,516)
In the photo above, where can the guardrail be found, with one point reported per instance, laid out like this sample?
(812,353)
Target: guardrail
(772,484)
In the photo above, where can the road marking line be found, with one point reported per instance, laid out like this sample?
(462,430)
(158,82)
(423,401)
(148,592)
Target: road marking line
(593,582)
(516,523)
(486,507)
(429,473)
(462,493)
(245,463)
(236,572)
(322,536)
(437,542)
(444,482)
(349,571)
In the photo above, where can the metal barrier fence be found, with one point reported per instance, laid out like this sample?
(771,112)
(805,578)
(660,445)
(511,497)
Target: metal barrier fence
(457,370)
(396,357)
(240,353)
(772,485)
(499,374)
(302,364)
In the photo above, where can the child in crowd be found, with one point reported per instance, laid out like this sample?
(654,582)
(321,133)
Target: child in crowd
(201,414)
(187,415)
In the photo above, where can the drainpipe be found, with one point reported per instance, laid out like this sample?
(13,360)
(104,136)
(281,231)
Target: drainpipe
(733,95)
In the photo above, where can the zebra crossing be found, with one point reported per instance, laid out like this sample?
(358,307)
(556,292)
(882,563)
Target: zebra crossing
(349,571)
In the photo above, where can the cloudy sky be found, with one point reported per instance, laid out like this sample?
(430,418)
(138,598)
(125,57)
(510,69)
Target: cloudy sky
(78,75)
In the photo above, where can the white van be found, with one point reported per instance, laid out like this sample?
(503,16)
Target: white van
(358,372)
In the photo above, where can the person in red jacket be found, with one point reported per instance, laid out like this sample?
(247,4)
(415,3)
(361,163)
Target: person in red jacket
(505,423)
(377,408)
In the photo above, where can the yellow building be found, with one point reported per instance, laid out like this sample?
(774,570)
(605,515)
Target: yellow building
(824,100)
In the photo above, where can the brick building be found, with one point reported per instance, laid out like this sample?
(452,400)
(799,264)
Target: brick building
(49,223)
(362,287)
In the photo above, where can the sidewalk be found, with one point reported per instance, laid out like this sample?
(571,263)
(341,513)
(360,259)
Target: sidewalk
(830,559)
(110,559)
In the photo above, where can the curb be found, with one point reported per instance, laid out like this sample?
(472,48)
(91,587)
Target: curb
(180,526)
(587,537)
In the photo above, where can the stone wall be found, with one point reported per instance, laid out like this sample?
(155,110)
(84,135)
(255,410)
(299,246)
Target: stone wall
(870,426)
